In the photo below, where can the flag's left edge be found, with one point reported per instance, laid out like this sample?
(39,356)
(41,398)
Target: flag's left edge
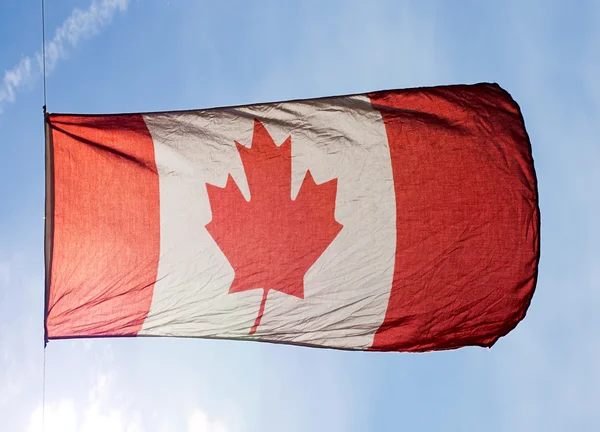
(49,218)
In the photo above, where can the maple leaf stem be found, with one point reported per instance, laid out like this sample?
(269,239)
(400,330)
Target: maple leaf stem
(261,311)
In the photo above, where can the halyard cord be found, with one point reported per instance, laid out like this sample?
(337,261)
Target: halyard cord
(45,222)
(44,51)
(44,393)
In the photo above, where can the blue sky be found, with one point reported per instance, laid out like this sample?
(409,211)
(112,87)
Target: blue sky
(160,55)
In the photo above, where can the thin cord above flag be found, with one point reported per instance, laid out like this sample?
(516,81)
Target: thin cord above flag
(44,50)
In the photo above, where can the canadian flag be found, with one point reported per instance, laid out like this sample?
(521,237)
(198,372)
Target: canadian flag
(402,220)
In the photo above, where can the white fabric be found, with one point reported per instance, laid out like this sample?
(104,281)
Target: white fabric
(346,290)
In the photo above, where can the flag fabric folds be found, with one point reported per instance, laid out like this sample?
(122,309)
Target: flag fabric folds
(402,220)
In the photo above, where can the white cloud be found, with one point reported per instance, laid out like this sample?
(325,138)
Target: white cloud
(63,416)
(199,422)
(78,26)
(59,417)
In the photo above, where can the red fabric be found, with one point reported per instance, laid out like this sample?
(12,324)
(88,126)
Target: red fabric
(106,230)
(467,218)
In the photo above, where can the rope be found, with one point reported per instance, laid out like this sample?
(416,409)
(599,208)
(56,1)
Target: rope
(44,394)
(44,108)
(44,50)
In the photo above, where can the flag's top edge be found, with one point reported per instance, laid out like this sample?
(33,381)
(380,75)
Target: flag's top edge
(403,90)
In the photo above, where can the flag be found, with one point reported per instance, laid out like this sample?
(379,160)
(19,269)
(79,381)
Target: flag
(402,220)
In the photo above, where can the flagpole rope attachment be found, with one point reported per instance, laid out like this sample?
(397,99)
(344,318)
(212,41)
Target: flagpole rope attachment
(44,50)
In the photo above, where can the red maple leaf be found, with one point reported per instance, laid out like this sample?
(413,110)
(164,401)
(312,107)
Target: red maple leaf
(271,241)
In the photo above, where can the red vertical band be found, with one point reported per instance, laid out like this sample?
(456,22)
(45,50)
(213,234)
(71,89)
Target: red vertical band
(106,226)
(467,217)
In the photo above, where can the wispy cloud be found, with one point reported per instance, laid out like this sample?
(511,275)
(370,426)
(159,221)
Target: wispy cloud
(80,25)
